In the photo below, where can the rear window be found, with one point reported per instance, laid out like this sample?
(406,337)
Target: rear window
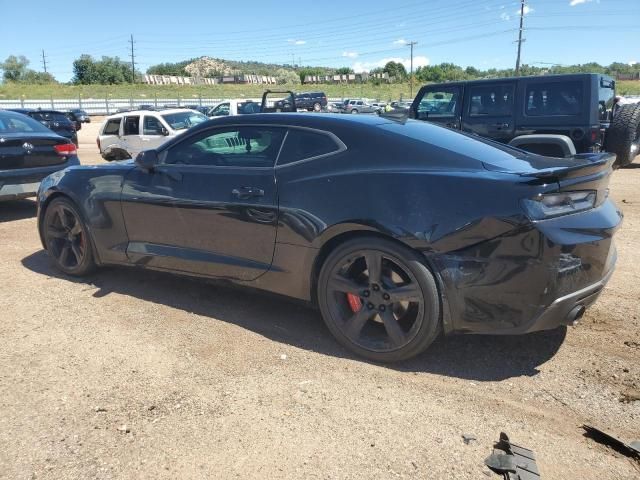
(112,127)
(554,99)
(132,125)
(20,123)
(305,144)
(50,116)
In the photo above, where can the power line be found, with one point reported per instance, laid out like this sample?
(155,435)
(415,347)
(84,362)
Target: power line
(520,40)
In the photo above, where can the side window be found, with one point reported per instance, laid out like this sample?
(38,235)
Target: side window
(442,102)
(132,125)
(220,110)
(151,126)
(112,127)
(359,102)
(304,144)
(553,98)
(229,147)
(491,100)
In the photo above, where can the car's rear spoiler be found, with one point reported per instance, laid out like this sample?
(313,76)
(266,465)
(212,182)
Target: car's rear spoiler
(586,164)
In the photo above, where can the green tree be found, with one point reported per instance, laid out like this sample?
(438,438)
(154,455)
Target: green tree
(106,71)
(395,70)
(37,78)
(14,68)
(344,71)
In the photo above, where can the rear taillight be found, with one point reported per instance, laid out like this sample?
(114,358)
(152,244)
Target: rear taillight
(66,149)
(551,205)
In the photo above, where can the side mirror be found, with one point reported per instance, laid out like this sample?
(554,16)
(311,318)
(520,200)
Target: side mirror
(147,160)
(164,131)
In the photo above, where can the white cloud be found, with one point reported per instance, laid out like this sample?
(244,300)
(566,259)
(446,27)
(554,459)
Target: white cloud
(296,42)
(350,54)
(418,61)
(505,16)
(573,3)
(632,63)
(400,41)
(527,10)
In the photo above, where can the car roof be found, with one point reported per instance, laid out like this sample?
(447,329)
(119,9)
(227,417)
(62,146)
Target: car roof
(566,77)
(149,112)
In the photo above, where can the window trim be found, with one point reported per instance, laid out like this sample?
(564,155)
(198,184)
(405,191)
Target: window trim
(339,143)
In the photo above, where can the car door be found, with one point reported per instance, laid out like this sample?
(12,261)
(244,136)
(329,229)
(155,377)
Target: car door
(131,140)
(209,207)
(440,104)
(489,110)
(221,110)
(154,132)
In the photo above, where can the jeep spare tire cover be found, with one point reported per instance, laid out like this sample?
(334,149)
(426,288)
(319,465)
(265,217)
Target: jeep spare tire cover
(623,136)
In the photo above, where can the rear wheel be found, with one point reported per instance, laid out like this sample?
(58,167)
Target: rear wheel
(67,239)
(379,299)
(623,136)
(354,111)
(317,107)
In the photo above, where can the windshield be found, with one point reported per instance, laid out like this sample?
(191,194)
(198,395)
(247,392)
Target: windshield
(184,120)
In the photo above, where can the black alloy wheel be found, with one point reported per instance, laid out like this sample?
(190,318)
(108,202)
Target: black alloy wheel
(66,238)
(379,299)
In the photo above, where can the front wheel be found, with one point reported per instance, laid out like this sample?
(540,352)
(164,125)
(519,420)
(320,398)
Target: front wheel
(379,299)
(354,111)
(317,107)
(67,239)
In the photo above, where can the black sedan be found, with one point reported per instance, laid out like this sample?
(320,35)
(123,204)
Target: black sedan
(29,152)
(396,231)
(54,120)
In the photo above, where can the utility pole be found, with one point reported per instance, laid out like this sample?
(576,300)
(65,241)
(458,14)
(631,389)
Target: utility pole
(411,44)
(44,61)
(133,62)
(520,39)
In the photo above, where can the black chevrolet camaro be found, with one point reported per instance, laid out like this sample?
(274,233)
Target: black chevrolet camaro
(396,231)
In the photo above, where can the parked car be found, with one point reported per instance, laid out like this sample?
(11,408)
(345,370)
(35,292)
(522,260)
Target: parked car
(335,107)
(124,135)
(556,115)
(311,101)
(54,120)
(233,107)
(80,115)
(359,106)
(457,234)
(29,152)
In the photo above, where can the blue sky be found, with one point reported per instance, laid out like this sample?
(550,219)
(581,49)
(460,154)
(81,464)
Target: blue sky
(361,34)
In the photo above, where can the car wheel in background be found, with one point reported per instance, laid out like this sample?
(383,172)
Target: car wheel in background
(66,238)
(354,111)
(379,299)
(317,107)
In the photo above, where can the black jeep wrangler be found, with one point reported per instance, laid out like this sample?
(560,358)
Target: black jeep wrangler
(554,115)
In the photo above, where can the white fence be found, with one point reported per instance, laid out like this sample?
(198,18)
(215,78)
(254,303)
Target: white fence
(106,106)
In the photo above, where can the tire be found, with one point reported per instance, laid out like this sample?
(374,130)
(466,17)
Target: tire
(317,107)
(386,315)
(67,238)
(623,136)
(354,111)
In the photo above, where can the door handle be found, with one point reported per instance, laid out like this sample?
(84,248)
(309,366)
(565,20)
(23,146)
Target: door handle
(501,125)
(247,192)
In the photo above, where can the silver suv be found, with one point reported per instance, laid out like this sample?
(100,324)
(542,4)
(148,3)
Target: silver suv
(359,106)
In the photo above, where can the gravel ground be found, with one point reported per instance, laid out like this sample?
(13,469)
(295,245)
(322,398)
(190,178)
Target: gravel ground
(139,375)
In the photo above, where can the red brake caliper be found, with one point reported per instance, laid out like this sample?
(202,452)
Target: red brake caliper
(354,302)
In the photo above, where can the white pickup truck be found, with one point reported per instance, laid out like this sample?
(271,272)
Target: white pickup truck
(233,107)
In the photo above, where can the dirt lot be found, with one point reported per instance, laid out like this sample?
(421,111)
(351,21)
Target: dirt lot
(139,375)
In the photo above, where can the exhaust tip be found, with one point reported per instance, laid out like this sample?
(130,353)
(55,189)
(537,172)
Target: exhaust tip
(575,314)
